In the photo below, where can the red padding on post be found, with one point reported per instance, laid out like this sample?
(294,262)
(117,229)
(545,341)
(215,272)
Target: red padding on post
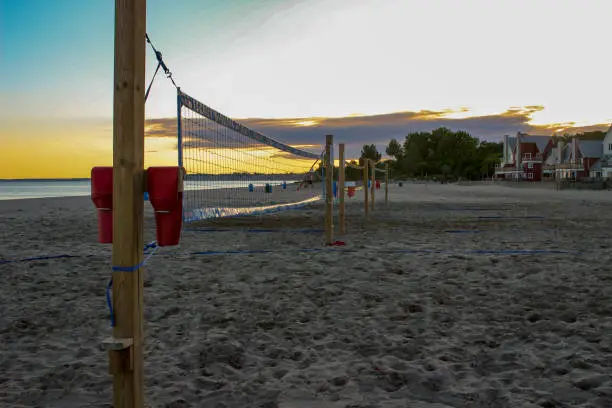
(164,185)
(102,197)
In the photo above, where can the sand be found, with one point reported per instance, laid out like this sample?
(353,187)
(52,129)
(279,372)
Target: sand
(408,314)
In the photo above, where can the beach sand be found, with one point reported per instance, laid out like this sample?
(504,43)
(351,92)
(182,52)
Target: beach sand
(412,312)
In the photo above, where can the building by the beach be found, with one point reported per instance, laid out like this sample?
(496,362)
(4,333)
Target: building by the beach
(577,158)
(524,157)
(534,158)
(604,165)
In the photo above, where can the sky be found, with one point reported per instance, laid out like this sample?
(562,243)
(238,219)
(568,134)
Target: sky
(364,70)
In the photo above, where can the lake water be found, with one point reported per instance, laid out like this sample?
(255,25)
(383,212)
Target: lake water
(14,190)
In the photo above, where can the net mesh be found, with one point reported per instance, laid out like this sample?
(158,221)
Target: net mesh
(233,170)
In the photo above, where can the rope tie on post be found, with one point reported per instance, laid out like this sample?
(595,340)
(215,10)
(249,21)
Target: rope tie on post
(109,287)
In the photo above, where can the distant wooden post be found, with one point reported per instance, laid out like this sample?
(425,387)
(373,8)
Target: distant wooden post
(365,186)
(386,183)
(125,348)
(329,194)
(373,183)
(341,176)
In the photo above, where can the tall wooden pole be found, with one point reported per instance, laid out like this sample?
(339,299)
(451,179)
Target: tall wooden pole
(373,182)
(125,356)
(365,186)
(341,177)
(386,183)
(329,195)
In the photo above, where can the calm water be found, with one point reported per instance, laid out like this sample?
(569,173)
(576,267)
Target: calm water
(13,190)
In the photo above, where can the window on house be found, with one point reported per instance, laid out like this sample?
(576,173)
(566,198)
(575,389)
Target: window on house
(530,165)
(609,146)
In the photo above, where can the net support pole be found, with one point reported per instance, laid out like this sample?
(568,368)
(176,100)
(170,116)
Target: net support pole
(372,183)
(329,195)
(323,177)
(125,348)
(179,126)
(341,180)
(365,187)
(386,183)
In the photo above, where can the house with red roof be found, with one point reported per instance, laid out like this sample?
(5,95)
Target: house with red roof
(526,157)
(532,158)
(579,159)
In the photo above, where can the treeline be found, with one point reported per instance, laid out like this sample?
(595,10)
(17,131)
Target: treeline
(443,154)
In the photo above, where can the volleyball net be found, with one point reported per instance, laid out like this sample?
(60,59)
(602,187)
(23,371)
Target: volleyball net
(232,170)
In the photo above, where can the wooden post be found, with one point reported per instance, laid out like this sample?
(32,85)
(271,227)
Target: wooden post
(125,349)
(341,177)
(365,186)
(373,183)
(329,195)
(386,183)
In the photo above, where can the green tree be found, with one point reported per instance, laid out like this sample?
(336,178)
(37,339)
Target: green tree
(443,153)
(418,153)
(394,149)
(489,155)
(369,152)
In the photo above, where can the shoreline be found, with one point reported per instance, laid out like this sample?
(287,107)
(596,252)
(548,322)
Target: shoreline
(87,193)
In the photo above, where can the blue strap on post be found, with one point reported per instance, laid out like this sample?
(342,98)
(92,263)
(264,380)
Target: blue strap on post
(151,245)
(133,268)
(109,303)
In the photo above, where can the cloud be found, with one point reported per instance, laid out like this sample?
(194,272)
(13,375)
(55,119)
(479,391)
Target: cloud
(357,130)
(164,127)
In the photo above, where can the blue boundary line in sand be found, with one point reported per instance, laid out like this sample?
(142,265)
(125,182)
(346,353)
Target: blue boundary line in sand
(256,230)
(484,217)
(38,258)
(396,251)
(311,250)
(500,217)
(479,209)
(150,246)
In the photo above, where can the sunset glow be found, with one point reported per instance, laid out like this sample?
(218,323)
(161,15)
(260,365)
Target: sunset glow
(305,123)
(297,70)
